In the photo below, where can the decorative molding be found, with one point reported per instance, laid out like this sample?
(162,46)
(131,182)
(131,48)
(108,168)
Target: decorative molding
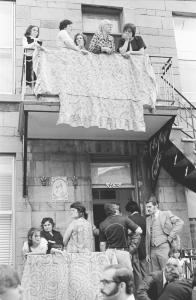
(59,188)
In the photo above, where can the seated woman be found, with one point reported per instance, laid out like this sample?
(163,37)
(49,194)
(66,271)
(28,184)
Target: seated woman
(30,41)
(54,237)
(80,40)
(130,43)
(102,41)
(35,243)
(79,235)
(64,39)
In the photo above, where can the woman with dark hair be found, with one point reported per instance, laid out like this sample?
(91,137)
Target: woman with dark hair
(64,39)
(130,43)
(79,235)
(30,41)
(35,243)
(80,40)
(54,237)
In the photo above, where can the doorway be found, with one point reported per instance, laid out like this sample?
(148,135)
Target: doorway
(102,196)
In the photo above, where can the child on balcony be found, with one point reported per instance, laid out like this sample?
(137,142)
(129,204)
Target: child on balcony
(35,244)
(130,43)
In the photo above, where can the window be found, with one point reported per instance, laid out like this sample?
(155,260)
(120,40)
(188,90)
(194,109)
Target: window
(6,209)
(6,47)
(185,32)
(111,175)
(92,16)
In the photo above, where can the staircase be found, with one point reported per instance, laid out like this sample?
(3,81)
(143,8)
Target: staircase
(180,156)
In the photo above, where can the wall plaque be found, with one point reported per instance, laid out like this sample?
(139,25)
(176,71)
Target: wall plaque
(59,188)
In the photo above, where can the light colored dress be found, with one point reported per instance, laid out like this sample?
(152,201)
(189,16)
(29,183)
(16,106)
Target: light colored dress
(81,239)
(41,248)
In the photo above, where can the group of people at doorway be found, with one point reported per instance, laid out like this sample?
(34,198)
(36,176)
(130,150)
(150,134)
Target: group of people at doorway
(101,42)
(142,247)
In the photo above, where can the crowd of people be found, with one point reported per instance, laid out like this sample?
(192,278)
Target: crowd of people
(147,252)
(101,42)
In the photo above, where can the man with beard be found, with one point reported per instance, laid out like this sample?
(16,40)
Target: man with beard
(117,283)
(154,283)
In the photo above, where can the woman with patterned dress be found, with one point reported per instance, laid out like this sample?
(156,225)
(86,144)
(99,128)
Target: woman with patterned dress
(30,41)
(102,41)
(78,237)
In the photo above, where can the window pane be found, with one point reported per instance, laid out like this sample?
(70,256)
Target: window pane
(185,33)
(111,173)
(91,22)
(6,46)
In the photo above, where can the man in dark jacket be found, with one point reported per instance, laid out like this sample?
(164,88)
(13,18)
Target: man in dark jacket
(154,283)
(114,234)
(139,256)
(177,290)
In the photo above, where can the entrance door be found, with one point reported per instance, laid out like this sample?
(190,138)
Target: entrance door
(103,196)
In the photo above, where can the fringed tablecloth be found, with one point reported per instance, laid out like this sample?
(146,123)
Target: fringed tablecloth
(67,276)
(107,91)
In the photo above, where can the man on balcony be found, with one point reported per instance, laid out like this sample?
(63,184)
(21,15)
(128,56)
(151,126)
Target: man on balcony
(162,228)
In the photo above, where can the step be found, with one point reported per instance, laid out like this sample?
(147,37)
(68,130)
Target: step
(188,140)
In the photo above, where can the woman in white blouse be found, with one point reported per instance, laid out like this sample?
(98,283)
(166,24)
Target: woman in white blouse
(64,39)
(35,244)
(30,41)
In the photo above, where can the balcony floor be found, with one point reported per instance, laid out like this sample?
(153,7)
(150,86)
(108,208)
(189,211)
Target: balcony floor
(43,115)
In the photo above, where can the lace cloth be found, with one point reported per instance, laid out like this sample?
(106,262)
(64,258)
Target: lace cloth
(107,91)
(67,276)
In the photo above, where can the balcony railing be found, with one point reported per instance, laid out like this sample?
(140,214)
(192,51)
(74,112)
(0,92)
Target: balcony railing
(168,95)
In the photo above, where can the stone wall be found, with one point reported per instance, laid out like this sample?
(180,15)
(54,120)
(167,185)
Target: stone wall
(153,20)
(172,197)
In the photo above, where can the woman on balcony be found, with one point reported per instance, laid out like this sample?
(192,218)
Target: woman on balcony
(29,42)
(80,40)
(79,235)
(130,43)
(35,244)
(102,41)
(64,39)
(54,237)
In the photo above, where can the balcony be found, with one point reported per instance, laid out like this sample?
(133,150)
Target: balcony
(41,105)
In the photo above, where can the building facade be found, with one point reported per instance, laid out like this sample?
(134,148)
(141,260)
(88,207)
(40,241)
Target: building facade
(44,167)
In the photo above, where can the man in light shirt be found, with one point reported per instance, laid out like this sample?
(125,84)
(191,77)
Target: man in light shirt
(162,229)
(117,283)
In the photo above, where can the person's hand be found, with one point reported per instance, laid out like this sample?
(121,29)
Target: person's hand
(126,55)
(106,50)
(84,51)
(126,36)
(148,259)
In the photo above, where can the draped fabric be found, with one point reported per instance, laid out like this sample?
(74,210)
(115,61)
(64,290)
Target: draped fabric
(67,276)
(107,91)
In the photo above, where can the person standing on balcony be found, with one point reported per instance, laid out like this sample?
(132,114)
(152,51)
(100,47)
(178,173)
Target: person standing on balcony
(64,39)
(78,236)
(80,40)
(130,43)
(29,42)
(102,41)
(162,228)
